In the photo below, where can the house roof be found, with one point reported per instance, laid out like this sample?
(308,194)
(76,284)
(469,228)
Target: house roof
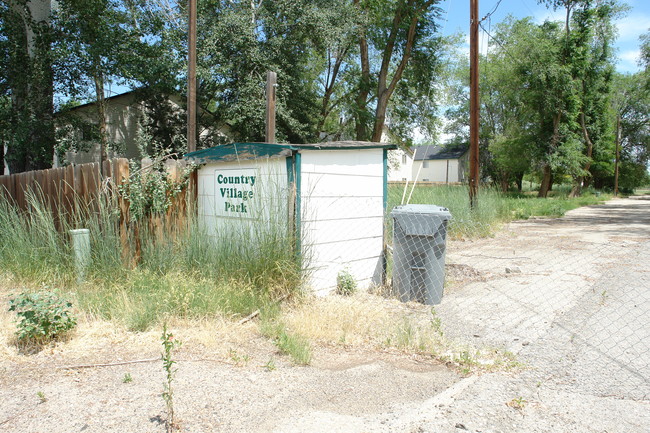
(108,98)
(450,151)
(243,151)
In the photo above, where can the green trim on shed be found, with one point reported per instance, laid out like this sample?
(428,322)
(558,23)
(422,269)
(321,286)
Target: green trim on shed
(298,166)
(385,180)
(240,151)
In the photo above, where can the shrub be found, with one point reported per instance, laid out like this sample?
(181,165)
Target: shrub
(345,283)
(43,316)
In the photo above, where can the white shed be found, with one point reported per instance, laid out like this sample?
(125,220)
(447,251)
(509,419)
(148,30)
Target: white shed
(334,196)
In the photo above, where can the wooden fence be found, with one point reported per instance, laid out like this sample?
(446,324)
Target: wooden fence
(69,189)
(61,189)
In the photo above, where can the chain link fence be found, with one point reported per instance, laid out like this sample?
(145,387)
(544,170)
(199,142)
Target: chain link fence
(565,300)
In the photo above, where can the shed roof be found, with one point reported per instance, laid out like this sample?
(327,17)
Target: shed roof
(243,151)
(450,151)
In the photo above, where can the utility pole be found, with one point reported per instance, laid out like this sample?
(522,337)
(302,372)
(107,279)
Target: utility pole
(473,105)
(618,144)
(271,84)
(191,78)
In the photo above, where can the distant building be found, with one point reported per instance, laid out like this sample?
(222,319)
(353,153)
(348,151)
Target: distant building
(446,164)
(400,165)
(123,115)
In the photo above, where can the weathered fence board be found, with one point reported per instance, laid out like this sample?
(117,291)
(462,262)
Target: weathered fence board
(62,188)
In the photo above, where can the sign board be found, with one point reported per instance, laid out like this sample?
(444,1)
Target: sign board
(236,189)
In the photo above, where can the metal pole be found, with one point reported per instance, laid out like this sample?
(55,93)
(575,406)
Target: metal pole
(618,143)
(271,79)
(473,105)
(191,78)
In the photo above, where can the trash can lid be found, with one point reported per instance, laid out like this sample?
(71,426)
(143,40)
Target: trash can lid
(428,209)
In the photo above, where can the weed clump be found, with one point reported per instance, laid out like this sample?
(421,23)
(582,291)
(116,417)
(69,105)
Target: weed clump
(43,317)
(345,283)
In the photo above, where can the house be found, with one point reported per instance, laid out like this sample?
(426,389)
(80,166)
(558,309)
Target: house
(124,114)
(400,165)
(446,164)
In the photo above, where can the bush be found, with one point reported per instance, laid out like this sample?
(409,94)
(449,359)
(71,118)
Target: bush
(345,283)
(43,316)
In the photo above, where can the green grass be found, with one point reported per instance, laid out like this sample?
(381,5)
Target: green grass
(294,345)
(494,207)
(182,272)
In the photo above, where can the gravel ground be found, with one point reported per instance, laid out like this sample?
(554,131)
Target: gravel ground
(573,306)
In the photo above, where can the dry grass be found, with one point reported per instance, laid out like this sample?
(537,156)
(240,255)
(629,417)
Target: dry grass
(359,320)
(370,321)
(363,321)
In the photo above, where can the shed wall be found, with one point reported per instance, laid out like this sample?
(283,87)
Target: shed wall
(342,215)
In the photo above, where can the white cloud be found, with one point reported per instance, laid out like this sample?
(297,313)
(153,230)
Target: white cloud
(630,56)
(632,26)
(543,14)
(628,61)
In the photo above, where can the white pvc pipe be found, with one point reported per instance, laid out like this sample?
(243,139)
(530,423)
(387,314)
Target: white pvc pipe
(81,247)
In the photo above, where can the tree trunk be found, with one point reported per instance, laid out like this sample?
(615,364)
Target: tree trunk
(547,175)
(545,187)
(519,179)
(361,116)
(576,191)
(332,75)
(385,88)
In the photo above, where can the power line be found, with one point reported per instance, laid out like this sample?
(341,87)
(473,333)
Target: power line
(505,50)
(489,14)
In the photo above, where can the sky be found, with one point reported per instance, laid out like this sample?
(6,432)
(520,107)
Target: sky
(455,18)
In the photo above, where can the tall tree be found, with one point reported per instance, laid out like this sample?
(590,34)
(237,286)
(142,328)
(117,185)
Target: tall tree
(92,35)
(397,31)
(27,83)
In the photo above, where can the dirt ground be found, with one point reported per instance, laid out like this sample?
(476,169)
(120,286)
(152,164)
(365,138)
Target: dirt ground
(568,297)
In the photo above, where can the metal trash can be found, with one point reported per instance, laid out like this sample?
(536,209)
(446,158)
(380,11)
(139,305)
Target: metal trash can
(419,245)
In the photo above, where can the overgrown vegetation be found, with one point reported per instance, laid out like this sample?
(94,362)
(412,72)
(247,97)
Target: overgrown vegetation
(182,270)
(345,283)
(494,206)
(170,344)
(44,317)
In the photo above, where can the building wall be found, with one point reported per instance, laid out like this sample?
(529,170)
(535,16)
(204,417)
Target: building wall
(341,201)
(440,170)
(122,114)
(400,165)
(342,215)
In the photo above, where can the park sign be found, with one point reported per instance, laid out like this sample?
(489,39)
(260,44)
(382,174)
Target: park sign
(235,191)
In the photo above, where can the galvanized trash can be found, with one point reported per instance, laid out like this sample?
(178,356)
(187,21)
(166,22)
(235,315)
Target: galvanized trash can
(419,244)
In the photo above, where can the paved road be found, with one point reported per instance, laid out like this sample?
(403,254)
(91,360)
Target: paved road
(578,315)
(575,309)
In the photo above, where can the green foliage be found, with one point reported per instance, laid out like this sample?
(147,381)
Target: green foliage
(27,127)
(43,316)
(294,345)
(41,396)
(150,190)
(170,345)
(127,378)
(346,284)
